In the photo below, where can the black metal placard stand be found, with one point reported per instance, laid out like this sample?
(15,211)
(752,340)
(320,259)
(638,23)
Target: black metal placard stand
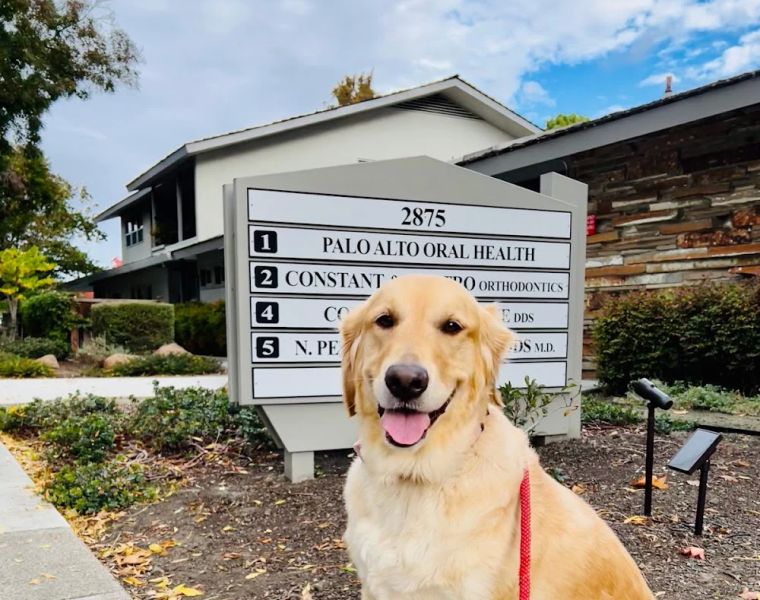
(695,454)
(655,398)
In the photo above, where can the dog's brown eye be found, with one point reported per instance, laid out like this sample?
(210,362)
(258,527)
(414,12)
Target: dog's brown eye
(451,327)
(385,321)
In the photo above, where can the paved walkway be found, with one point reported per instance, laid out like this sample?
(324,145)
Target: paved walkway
(23,391)
(40,557)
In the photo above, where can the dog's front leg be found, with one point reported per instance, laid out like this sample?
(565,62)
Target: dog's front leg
(366,595)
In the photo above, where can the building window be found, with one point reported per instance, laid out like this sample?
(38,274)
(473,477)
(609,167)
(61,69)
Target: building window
(205,277)
(133,230)
(219,275)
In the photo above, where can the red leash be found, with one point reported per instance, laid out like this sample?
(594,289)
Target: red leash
(525,537)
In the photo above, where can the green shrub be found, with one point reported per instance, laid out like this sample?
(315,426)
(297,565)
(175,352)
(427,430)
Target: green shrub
(85,438)
(173,419)
(171,364)
(22,368)
(91,487)
(96,349)
(706,334)
(200,327)
(40,416)
(139,326)
(597,410)
(33,347)
(49,315)
(665,424)
(250,427)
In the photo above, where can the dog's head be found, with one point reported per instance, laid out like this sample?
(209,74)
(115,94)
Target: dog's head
(420,359)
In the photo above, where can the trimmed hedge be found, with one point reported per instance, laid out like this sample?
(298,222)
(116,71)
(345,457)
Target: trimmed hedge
(707,334)
(138,326)
(48,315)
(32,347)
(200,327)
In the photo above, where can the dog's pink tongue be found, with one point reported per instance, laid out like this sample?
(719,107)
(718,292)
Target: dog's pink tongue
(405,428)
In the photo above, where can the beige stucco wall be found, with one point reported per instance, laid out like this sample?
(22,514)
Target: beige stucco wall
(383,134)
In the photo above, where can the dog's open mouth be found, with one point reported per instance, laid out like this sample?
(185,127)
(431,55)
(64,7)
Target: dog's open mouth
(406,427)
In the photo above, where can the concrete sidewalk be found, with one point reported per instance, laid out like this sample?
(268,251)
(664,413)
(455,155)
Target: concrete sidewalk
(23,391)
(40,557)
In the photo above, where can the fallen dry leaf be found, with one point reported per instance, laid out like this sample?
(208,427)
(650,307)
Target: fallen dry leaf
(694,552)
(306,593)
(658,483)
(255,574)
(637,520)
(188,592)
(578,489)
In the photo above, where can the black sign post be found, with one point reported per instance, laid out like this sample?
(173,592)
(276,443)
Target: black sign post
(655,398)
(695,454)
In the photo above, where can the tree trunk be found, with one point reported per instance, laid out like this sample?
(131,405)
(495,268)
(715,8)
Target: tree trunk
(13,310)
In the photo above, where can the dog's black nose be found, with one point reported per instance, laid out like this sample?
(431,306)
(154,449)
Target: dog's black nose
(406,382)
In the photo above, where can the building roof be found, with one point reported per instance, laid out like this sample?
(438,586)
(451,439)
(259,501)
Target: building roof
(454,88)
(698,103)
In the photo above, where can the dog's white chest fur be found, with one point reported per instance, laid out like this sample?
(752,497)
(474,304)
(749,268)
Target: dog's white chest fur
(416,544)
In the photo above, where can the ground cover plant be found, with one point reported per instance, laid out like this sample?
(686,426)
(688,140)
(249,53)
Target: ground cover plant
(169,364)
(96,450)
(15,366)
(183,492)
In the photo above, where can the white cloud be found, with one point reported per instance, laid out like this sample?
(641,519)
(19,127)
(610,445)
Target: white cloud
(532,92)
(609,110)
(744,56)
(658,79)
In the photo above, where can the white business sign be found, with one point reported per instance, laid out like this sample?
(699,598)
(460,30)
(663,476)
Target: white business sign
(320,313)
(330,245)
(274,206)
(345,280)
(315,382)
(325,347)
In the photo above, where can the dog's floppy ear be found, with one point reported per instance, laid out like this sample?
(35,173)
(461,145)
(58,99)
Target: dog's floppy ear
(350,334)
(494,340)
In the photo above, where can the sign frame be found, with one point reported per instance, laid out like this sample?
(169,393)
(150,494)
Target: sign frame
(420,180)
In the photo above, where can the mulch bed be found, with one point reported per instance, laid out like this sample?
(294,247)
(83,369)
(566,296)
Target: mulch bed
(243,532)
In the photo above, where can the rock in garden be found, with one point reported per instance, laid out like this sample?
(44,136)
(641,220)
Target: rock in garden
(116,359)
(172,348)
(49,361)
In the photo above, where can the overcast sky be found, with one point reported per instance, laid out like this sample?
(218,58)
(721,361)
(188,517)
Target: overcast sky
(211,66)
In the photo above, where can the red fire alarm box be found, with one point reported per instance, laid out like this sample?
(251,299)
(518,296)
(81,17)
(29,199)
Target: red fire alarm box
(591,225)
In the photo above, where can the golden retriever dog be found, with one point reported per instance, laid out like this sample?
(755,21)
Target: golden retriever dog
(433,497)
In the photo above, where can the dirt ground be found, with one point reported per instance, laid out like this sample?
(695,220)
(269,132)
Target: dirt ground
(243,532)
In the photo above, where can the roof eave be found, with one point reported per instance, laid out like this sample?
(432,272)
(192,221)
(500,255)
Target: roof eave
(122,205)
(460,90)
(175,157)
(633,123)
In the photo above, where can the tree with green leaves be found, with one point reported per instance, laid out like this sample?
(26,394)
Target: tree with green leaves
(22,272)
(354,88)
(562,120)
(36,210)
(51,50)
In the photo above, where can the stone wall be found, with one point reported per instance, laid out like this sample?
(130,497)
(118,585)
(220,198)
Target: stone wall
(672,208)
